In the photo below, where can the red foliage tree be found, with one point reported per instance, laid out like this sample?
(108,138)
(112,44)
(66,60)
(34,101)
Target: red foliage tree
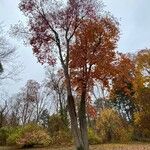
(56,32)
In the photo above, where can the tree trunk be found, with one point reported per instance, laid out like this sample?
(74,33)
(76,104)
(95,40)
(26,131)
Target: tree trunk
(61,107)
(1,119)
(74,123)
(73,115)
(83,121)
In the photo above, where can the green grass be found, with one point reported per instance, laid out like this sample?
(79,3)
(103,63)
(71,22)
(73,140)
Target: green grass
(136,146)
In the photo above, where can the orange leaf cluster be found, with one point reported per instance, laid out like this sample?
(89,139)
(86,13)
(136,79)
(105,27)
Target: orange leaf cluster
(93,53)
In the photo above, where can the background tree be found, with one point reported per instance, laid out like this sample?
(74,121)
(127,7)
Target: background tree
(122,91)
(29,104)
(44,118)
(7,54)
(142,93)
(5,109)
(56,84)
(8,70)
(3,112)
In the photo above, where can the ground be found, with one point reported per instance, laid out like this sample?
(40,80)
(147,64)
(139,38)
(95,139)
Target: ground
(137,146)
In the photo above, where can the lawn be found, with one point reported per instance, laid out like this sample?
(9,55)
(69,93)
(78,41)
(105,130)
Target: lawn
(137,146)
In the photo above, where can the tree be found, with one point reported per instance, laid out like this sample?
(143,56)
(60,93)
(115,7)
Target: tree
(45,118)
(142,70)
(95,43)
(142,93)
(52,28)
(3,112)
(36,96)
(29,104)
(122,91)
(5,109)
(56,84)
(7,53)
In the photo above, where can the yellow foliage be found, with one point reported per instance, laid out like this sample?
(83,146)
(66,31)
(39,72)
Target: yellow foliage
(111,127)
(142,124)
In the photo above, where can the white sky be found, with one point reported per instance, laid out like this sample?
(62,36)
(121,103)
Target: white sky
(133,15)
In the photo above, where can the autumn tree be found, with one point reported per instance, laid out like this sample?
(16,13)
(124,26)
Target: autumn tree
(95,43)
(53,27)
(29,104)
(142,70)
(142,93)
(122,92)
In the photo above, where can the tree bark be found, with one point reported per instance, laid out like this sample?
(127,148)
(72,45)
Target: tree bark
(83,121)
(71,104)
(74,123)
(73,116)
(1,119)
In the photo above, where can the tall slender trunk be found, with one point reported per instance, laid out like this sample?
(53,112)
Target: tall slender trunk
(61,106)
(74,123)
(73,116)
(83,121)
(80,135)
(1,119)
(62,111)
(71,106)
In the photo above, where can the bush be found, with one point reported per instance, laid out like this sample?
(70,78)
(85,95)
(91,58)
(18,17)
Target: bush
(61,138)
(29,136)
(59,131)
(29,139)
(111,127)
(142,126)
(4,134)
(93,137)
(14,135)
(56,124)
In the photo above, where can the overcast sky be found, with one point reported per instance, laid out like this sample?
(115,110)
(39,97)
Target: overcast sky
(133,16)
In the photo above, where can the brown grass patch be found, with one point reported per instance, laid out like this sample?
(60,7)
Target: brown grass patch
(136,146)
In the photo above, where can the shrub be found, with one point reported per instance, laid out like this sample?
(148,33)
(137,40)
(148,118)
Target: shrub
(59,131)
(12,138)
(61,138)
(4,134)
(29,139)
(142,125)
(29,136)
(56,124)
(93,137)
(111,127)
